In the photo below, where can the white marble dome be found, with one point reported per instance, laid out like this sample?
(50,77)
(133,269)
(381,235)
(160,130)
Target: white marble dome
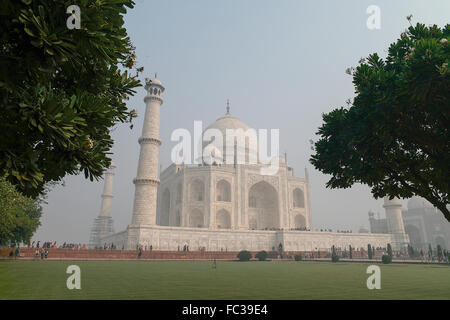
(418,203)
(363,229)
(231,122)
(156,81)
(228,122)
(394,201)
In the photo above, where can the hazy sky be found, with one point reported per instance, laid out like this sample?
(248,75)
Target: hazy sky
(281,64)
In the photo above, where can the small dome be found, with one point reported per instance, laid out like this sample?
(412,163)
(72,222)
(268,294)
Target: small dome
(156,81)
(394,201)
(363,229)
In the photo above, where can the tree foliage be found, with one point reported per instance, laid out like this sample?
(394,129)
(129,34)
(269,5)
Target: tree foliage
(61,90)
(389,250)
(394,136)
(439,252)
(19,215)
(244,255)
(334,256)
(261,255)
(386,259)
(411,251)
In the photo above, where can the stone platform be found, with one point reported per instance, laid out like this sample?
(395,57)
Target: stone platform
(99,255)
(174,238)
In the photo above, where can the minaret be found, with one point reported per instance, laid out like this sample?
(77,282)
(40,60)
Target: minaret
(394,220)
(146,181)
(107,195)
(103,224)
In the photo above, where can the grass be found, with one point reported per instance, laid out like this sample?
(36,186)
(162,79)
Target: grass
(231,280)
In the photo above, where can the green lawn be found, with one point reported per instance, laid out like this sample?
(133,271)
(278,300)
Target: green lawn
(231,280)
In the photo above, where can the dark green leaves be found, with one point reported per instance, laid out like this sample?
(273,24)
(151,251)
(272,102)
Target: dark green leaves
(61,90)
(395,137)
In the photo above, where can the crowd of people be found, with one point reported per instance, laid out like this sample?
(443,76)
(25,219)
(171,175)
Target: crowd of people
(305,229)
(301,229)
(42,253)
(50,244)
(110,246)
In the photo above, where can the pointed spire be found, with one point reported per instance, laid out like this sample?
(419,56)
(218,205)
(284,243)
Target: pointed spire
(228,106)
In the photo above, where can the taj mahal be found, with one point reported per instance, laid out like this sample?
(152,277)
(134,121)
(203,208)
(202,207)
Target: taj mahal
(223,205)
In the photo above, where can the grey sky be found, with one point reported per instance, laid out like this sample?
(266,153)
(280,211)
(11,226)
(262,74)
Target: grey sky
(281,64)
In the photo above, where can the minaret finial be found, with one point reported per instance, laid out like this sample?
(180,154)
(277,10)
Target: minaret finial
(156,74)
(228,106)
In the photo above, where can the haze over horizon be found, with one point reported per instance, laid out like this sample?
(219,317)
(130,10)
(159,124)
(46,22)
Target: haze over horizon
(281,63)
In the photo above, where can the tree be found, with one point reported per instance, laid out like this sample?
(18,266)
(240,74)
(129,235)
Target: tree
(389,250)
(19,215)
(439,252)
(394,136)
(261,255)
(411,251)
(244,255)
(350,252)
(430,252)
(61,90)
(334,256)
(386,259)
(369,251)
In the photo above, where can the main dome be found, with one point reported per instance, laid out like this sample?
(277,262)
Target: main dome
(418,203)
(249,151)
(228,122)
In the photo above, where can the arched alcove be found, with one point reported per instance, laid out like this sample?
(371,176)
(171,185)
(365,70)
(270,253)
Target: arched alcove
(196,218)
(197,190)
(414,235)
(223,219)
(299,198)
(223,191)
(299,221)
(179,193)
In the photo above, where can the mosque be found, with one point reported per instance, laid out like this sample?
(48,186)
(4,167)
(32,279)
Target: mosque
(223,205)
(424,224)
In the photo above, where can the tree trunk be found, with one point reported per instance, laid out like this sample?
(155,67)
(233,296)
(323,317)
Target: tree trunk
(441,207)
(445,211)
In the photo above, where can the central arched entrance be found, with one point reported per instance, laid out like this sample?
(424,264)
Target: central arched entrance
(263,206)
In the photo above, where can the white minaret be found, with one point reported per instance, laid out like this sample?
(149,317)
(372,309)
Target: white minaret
(103,224)
(394,220)
(107,195)
(146,181)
